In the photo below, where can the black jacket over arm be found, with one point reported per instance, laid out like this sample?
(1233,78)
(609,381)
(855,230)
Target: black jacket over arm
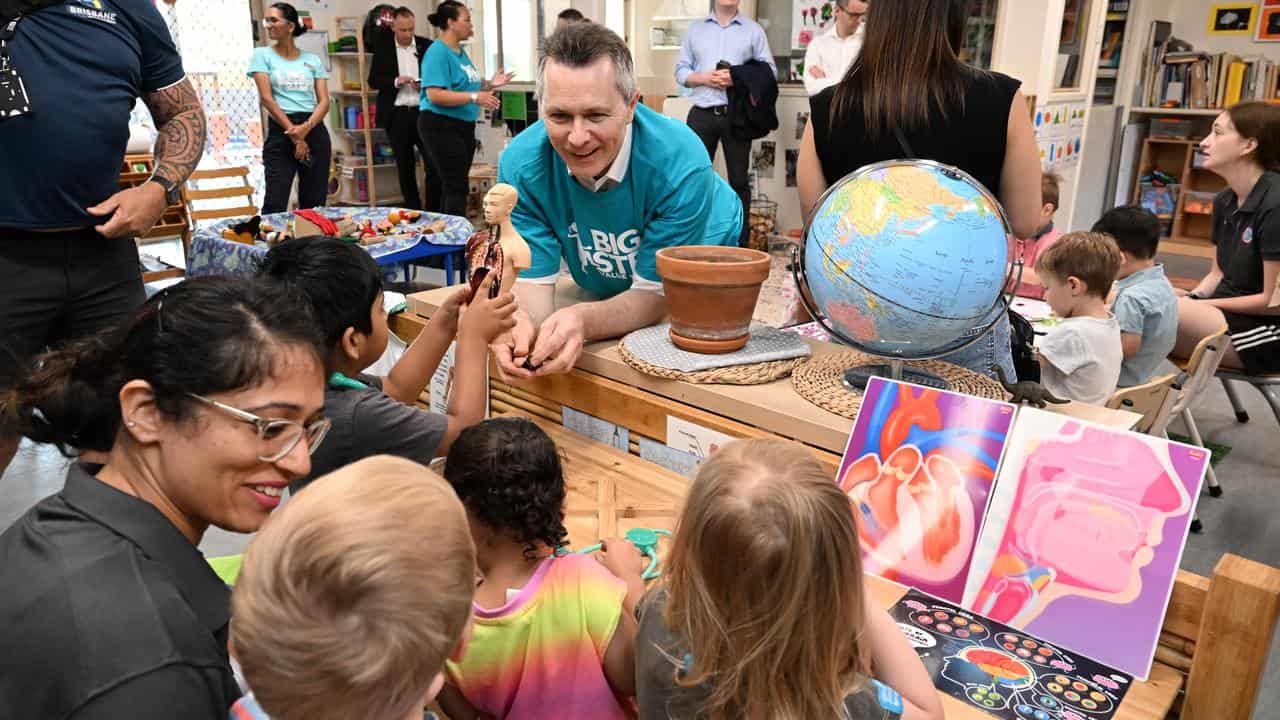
(752,100)
(384,70)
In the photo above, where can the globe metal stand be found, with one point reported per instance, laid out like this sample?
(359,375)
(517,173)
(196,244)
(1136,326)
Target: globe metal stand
(856,378)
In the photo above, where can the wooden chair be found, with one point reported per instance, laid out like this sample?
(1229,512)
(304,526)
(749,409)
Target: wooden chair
(1198,371)
(191,194)
(1154,400)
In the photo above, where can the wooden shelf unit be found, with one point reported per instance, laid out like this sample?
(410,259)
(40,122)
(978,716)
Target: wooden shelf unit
(345,95)
(1190,233)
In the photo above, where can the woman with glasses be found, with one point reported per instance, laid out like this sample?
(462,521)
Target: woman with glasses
(293,88)
(452,95)
(206,404)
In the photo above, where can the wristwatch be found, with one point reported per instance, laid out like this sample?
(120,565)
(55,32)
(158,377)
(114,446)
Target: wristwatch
(172,193)
(475,97)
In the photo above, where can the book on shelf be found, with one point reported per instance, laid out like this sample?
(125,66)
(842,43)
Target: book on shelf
(1199,80)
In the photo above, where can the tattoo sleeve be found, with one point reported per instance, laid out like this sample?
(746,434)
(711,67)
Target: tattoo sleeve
(180,123)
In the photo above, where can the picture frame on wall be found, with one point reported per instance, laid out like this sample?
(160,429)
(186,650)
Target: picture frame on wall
(1269,22)
(1235,18)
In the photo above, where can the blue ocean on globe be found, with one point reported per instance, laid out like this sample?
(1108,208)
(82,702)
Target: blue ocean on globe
(907,259)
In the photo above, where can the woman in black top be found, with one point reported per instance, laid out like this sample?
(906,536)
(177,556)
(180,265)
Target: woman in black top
(909,78)
(207,403)
(1244,149)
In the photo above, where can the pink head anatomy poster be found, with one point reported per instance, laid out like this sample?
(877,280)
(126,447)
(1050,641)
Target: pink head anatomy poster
(1083,536)
(919,467)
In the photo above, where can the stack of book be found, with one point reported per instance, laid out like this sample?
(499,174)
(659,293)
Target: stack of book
(1199,80)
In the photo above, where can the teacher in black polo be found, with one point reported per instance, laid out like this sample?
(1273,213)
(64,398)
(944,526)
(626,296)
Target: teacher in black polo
(206,404)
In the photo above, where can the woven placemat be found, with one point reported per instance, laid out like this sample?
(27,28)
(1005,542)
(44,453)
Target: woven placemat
(755,374)
(821,381)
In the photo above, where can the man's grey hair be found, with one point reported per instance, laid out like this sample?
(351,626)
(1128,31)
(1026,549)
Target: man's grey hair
(581,44)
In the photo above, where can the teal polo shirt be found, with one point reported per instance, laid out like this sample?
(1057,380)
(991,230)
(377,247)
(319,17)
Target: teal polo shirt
(669,196)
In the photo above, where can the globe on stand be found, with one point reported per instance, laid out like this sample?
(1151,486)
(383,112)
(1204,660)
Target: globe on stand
(905,260)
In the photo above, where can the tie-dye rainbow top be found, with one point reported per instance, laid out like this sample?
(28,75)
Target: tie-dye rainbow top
(542,654)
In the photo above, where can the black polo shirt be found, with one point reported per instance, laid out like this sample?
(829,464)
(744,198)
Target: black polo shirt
(84,64)
(108,611)
(1246,235)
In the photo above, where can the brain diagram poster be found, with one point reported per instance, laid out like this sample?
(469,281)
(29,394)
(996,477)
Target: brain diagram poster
(919,466)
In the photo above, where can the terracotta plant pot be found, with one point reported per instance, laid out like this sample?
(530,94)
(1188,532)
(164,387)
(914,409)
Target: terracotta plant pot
(711,294)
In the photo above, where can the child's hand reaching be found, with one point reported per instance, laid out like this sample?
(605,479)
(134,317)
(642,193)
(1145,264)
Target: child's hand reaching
(622,558)
(486,318)
(449,312)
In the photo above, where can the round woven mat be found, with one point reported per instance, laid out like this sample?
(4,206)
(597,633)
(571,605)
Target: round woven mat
(756,374)
(821,380)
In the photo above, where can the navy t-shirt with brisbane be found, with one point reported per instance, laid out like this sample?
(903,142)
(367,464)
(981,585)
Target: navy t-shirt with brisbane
(84,63)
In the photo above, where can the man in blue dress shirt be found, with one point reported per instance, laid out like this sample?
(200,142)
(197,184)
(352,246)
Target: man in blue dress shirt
(722,39)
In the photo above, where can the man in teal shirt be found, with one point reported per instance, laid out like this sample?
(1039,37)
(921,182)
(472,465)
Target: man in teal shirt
(604,184)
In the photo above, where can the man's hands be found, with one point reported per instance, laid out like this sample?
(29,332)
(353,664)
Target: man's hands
(408,80)
(552,348)
(132,212)
(817,72)
(712,78)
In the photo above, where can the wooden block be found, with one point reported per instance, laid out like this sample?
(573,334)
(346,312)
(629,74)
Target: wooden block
(1186,606)
(1239,621)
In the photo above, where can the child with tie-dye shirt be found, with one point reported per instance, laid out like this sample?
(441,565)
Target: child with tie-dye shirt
(552,637)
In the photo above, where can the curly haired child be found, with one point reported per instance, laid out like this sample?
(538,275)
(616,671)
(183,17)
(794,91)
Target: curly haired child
(554,636)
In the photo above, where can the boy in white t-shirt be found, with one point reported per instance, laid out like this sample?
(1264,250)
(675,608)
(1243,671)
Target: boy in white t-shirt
(1080,358)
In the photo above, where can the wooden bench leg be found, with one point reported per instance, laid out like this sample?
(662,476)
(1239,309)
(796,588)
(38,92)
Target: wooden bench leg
(1239,621)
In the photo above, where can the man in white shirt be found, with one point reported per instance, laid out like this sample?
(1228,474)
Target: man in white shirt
(831,53)
(395,73)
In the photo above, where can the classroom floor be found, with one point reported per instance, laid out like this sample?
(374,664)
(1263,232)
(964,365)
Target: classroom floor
(1241,521)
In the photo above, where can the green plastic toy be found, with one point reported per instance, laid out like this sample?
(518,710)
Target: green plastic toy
(645,540)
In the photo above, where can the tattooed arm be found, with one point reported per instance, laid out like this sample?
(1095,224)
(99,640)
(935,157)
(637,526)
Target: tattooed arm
(181,125)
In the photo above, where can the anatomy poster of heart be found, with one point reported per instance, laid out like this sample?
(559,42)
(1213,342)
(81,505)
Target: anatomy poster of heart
(1083,536)
(809,19)
(1003,672)
(919,466)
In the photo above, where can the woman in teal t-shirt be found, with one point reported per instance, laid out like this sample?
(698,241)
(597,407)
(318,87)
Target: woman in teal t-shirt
(452,95)
(293,88)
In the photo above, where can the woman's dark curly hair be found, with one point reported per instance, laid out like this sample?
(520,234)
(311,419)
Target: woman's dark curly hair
(507,472)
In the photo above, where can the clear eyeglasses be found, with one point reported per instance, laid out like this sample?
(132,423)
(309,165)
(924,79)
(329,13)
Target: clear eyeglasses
(278,437)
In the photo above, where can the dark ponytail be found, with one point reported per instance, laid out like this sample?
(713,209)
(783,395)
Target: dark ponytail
(445,11)
(290,14)
(205,336)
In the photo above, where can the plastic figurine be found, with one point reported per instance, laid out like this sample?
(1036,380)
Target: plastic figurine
(1032,393)
(498,204)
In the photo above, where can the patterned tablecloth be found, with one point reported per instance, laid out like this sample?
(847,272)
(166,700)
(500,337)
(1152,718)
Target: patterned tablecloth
(211,254)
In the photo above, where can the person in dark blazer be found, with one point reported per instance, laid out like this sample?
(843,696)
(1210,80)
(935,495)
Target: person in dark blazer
(397,59)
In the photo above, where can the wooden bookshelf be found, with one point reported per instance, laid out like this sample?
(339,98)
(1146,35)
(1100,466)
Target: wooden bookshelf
(1190,233)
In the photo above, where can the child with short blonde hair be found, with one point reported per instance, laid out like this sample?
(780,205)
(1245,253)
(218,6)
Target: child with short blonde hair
(764,612)
(353,596)
(1080,357)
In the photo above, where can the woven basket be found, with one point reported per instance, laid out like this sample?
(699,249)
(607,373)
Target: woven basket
(756,374)
(821,381)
